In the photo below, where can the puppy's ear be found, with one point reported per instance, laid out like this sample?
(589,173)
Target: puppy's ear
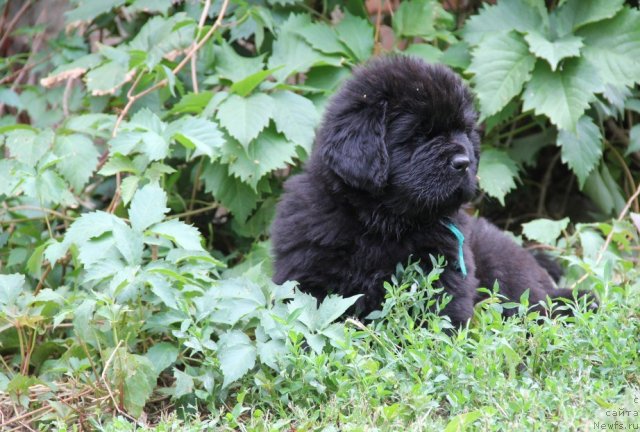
(355,149)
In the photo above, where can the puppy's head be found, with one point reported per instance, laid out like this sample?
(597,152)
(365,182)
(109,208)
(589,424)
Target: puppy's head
(404,131)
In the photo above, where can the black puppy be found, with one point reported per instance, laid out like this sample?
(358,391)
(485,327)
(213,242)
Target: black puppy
(394,160)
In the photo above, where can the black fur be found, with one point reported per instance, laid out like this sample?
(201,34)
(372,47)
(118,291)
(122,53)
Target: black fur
(378,186)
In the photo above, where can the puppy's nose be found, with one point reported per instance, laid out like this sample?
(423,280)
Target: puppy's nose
(460,162)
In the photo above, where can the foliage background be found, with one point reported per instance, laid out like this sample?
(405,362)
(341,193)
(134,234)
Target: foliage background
(145,144)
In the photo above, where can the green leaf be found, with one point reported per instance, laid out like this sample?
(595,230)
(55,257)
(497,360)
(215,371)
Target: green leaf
(9,180)
(544,231)
(192,103)
(497,172)
(357,35)
(322,37)
(128,188)
(118,163)
(198,133)
(136,376)
(129,243)
(186,236)
(574,14)
(163,37)
(501,64)
(293,53)
(88,10)
(582,149)
(612,47)
(246,86)
(428,53)
(296,117)
(634,140)
(148,207)
(234,67)
(604,191)
(235,195)
(244,118)
(162,355)
(237,355)
(415,18)
(184,384)
(266,153)
(90,225)
(563,95)
(28,146)
(79,158)
(12,285)
(556,50)
(504,16)
(107,78)
(332,308)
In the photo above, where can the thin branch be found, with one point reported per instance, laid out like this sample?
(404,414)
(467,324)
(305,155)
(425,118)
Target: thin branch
(14,21)
(194,59)
(195,212)
(133,98)
(41,209)
(607,241)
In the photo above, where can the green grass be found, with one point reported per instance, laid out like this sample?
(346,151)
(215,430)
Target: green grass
(404,372)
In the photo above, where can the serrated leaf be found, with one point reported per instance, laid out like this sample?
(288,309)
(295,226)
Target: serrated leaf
(8,178)
(129,243)
(148,206)
(79,157)
(497,172)
(501,64)
(296,117)
(582,149)
(554,51)
(563,95)
(90,225)
(244,118)
(107,78)
(28,146)
(266,153)
(634,140)
(504,16)
(293,53)
(415,18)
(322,37)
(49,187)
(232,193)
(332,308)
(612,47)
(12,285)
(234,67)
(201,134)
(237,355)
(574,14)
(357,35)
(162,37)
(544,231)
(186,236)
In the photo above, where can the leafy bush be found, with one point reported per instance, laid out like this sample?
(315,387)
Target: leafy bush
(575,66)
(146,124)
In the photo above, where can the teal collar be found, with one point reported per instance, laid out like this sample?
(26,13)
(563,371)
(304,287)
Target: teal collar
(460,237)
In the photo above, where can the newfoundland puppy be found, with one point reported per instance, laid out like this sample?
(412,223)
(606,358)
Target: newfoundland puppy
(394,160)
